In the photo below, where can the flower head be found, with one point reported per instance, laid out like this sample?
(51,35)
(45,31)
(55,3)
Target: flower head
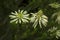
(20,16)
(57,14)
(55,5)
(58,34)
(39,18)
(53,29)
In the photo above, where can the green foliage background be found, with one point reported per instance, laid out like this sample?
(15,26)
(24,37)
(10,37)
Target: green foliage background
(8,31)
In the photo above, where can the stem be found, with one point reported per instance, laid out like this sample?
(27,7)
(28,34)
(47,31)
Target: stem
(17,32)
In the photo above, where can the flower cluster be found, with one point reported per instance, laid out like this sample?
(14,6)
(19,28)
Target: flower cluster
(22,16)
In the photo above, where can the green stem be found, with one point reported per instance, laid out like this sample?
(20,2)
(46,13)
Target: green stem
(17,32)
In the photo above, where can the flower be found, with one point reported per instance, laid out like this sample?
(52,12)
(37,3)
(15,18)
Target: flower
(39,18)
(52,29)
(57,14)
(20,16)
(54,5)
(58,34)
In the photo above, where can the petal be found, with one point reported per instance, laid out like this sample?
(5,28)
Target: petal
(13,20)
(18,11)
(32,19)
(44,23)
(16,22)
(24,20)
(58,33)
(12,16)
(58,19)
(12,13)
(19,20)
(54,5)
(26,15)
(21,11)
(33,15)
(53,15)
(35,23)
(45,20)
(24,12)
(40,22)
(43,16)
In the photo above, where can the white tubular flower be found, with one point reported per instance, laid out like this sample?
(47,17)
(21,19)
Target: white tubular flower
(52,29)
(20,16)
(58,19)
(39,18)
(58,16)
(58,34)
(54,5)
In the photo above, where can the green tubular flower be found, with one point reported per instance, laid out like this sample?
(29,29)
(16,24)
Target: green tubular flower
(39,18)
(20,16)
